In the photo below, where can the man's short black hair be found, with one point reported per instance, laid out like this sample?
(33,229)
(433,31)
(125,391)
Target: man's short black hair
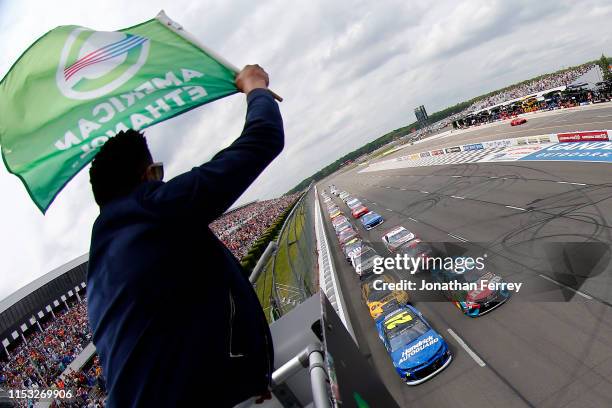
(119,166)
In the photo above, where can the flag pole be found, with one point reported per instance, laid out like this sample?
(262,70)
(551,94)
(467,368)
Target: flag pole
(178,29)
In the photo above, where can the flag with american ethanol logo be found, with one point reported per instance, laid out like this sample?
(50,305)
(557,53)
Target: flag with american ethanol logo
(74,88)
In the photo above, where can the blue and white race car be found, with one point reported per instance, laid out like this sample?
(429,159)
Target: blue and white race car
(418,352)
(371,219)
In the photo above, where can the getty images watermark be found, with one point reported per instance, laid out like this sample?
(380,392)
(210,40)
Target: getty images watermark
(450,273)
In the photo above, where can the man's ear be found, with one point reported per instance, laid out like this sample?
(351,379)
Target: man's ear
(149,174)
(154,172)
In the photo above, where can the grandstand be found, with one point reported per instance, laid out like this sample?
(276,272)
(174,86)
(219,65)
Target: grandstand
(239,228)
(43,327)
(506,96)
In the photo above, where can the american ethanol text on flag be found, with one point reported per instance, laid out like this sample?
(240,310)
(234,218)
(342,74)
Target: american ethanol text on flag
(105,112)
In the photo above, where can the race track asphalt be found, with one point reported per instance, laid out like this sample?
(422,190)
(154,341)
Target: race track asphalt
(551,344)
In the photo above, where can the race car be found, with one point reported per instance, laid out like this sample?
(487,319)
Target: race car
(339,220)
(417,248)
(418,352)
(334,213)
(397,237)
(477,302)
(371,220)
(342,226)
(354,250)
(363,263)
(518,121)
(359,211)
(347,235)
(351,248)
(376,299)
(353,202)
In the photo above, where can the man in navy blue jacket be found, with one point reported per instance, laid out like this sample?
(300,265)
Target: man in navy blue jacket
(175,321)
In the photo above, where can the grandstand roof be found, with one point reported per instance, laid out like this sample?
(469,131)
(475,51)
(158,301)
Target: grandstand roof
(39,282)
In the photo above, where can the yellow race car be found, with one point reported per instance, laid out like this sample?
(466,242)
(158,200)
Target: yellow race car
(334,214)
(379,299)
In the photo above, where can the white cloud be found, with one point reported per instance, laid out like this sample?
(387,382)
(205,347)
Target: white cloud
(349,71)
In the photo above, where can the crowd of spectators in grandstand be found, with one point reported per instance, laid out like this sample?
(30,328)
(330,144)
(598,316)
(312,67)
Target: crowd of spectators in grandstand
(88,385)
(542,84)
(238,229)
(38,363)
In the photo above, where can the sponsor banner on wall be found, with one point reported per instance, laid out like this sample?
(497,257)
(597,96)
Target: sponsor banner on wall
(425,154)
(513,153)
(590,136)
(579,151)
(474,146)
(454,149)
(497,143)
(544,139)
(437,152)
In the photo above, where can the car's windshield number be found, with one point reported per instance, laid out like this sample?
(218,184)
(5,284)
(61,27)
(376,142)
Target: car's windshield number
(401,318)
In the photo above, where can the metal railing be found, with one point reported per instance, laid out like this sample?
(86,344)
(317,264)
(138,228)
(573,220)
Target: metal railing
(313,358)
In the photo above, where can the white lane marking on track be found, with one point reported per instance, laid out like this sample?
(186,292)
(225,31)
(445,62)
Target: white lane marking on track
(584,295)
(458,197)
(388,209)
(456,176)
(493,177)
(569,182)
(412,219)
(467,349)
(457,237)
(403,189)
(515,208)
(424,192)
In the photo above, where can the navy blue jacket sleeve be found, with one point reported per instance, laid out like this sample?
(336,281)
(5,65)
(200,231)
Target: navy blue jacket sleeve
(210,189)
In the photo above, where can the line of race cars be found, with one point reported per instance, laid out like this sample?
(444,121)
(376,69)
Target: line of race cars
(417,351)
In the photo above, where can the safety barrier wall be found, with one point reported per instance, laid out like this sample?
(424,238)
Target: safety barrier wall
(328,280)
(565,137)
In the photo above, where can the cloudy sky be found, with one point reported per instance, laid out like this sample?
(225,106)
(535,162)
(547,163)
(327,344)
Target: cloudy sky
(349,72)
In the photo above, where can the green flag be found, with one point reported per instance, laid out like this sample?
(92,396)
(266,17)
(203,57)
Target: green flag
(75,87)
